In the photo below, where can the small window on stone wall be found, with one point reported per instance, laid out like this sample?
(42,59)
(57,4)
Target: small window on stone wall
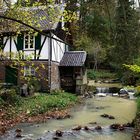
(29,71)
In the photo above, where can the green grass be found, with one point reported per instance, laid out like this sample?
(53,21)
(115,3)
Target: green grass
(138,104)
(42,103)
(101,74)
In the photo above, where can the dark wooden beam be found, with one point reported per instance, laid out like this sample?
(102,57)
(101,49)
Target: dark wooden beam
(37,30)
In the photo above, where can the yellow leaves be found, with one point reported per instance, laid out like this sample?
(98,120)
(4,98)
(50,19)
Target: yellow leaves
(42,65)
(133,68)
(28,111)
(37,68)
(69,16)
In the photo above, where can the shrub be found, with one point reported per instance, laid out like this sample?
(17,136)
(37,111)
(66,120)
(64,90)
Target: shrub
(34,84)
(45,102)
(1,101)
(10,96)
(91,88)
(137,91)
(94,75)
(128,78)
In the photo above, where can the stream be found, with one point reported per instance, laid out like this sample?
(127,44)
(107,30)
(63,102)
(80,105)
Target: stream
(87,114)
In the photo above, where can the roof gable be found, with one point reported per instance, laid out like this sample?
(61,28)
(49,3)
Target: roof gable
(73,58)
(39,19)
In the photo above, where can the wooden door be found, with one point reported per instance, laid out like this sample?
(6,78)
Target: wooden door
(11,75)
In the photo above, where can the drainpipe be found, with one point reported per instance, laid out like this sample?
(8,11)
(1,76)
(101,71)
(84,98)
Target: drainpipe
(49,62)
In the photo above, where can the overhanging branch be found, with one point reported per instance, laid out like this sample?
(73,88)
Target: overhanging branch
(37,30)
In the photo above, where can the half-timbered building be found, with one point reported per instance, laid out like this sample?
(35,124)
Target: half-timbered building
(46,49)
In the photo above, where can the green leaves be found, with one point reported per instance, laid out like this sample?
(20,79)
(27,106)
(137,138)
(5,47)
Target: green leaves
(43,103)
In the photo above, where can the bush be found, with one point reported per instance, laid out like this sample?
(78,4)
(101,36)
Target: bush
(34,84)
(10,96)
(1,101)
(138,104)
(43,103)
(128,78)
(137,91)
(94,75)
(91,88)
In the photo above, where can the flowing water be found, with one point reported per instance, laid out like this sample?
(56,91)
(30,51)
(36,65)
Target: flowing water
(123,110)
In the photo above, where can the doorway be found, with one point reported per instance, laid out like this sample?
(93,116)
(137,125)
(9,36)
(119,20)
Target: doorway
(11,75)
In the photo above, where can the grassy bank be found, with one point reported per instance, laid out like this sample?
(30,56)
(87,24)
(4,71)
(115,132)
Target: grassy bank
(34,109)
(100,74)
(40,103)
(138,106)
(136,134)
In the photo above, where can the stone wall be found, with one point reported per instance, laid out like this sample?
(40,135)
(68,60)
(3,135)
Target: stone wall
(2,72)
(55,76)
(41,74)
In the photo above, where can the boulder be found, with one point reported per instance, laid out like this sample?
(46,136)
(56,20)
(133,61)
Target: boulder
(114,126)
(105,115)
(121,128)
(77,128)
(111,117)
(86,128)
(18,130)
(59,133)
(98,128)
(18,135)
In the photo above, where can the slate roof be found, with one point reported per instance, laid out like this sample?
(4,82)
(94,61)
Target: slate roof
(73,58)
(40,19)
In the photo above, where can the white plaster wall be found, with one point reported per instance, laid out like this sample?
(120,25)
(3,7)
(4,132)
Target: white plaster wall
(58,50)
(13,48)
(45,49)
(28,54)
(7,47)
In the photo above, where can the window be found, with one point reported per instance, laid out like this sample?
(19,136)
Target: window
(28,41)
(29,71)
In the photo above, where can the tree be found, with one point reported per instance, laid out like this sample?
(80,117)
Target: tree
(126,35)
(95,27)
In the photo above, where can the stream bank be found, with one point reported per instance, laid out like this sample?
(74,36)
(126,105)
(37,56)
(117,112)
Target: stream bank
(87,114)
(136,135)
(38,108)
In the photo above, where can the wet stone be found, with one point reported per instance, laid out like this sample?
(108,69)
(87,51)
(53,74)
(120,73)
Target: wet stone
(59,133)
(105,115)
(98,128)
(111,117)
(114,126)
(121,128)
(93,123)
(18,135)
(100,107)
(86,128)
(55,138)
(77,128)
(128,125)
(18,130)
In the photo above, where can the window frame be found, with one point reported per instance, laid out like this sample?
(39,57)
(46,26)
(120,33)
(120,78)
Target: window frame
(29,42)
(29,71)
